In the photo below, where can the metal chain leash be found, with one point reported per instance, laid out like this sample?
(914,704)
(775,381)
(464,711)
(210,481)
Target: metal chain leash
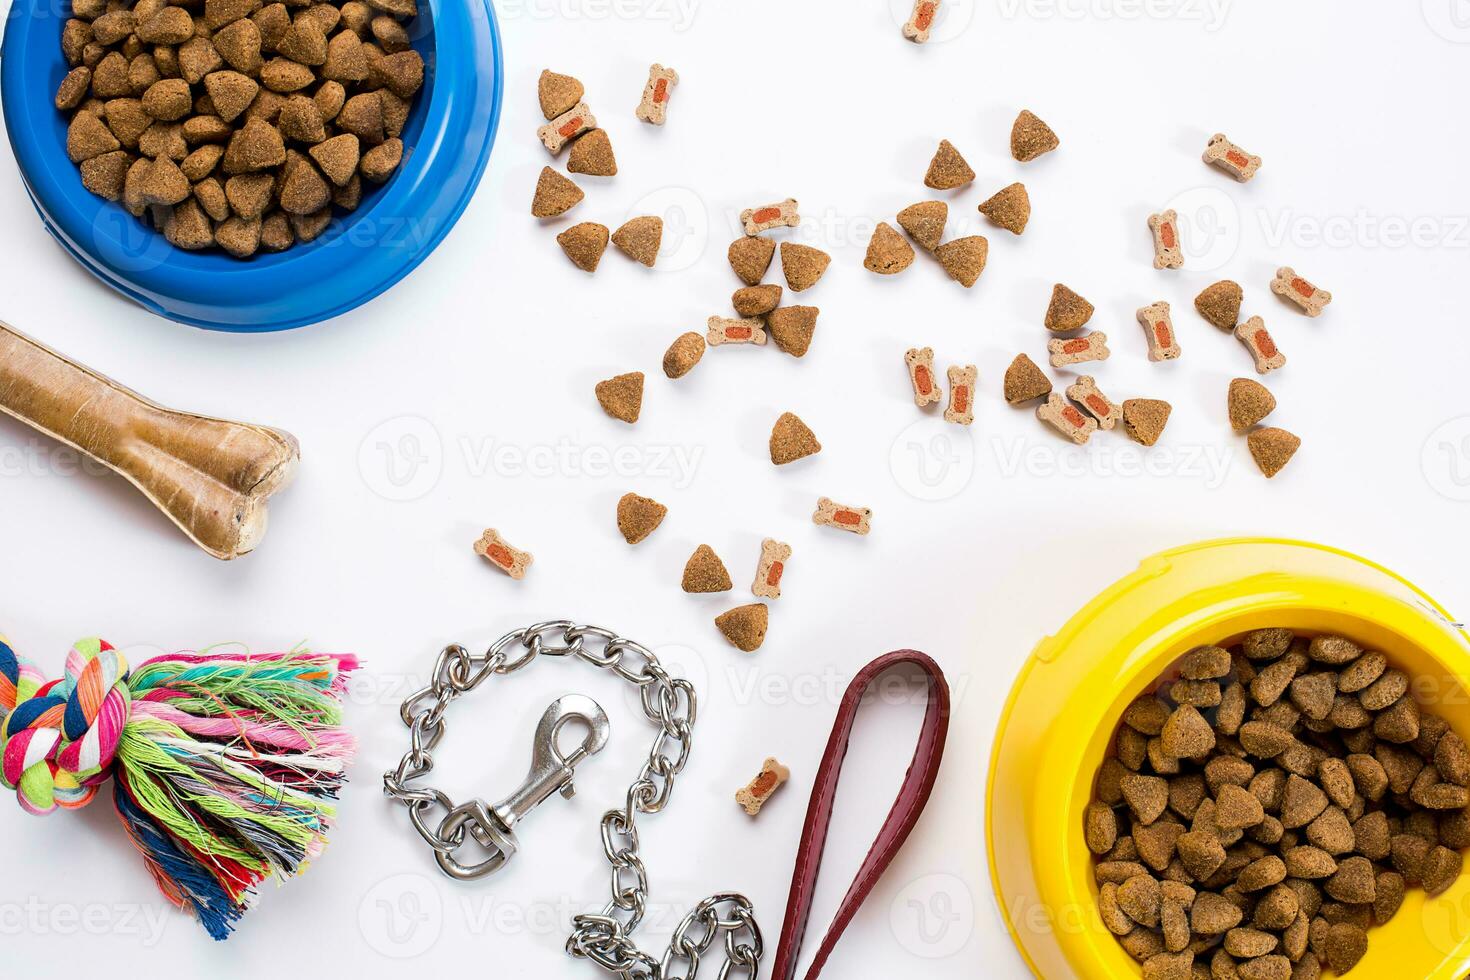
(670,703)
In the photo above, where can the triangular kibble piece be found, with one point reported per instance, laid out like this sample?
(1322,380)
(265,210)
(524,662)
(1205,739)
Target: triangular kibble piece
(622,396)
(640,238)
(584,244)
(555,194)
(1144,419)
(1024,381)
(925,222)
(638,517)
(683,354)
(802,265)
(750,257)
(791,327)
(1220,304)
(964,258)
(558,93)
(948,169)
(1010,208)
(1272,449)
(889,252)
(704,572)
(593,154)
(792,439)
(745,626)
(1067,310)
(338,157)
(1030,137)
(1249,402)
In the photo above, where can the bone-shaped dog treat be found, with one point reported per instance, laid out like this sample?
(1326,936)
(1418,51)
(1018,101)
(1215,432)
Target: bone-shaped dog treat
(961,408)
(768,216)
(1085,393)
(1093,347)
(211,477)
(1258,341)
(494,549)
(655,105)
(566,127)
(921,20)
(854,519)
(768,572)
(761,788)
(1167,252)
(1158,327)
(1230,158)
(1309,297)
(920,361)
(723,330)
(1066,419)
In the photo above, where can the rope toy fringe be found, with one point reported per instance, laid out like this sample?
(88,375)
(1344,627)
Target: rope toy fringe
(226,768)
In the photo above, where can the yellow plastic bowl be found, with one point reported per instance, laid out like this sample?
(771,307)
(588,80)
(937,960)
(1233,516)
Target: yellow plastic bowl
(1065,706)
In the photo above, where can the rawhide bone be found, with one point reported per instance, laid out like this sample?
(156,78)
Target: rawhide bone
(723,330)
(768,571)
(961,408)
(921,20)
(1230,158)
(211,477)
(855,519)
(654,108)
(768,216)
(1158,326)
(566,127)
(920,361)
(1092,347)
(1167,253)
(1292,286)
(1263,349)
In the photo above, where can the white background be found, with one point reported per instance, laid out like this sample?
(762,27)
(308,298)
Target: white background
(480,367)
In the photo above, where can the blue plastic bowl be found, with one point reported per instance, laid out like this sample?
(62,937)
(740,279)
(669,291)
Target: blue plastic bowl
(447,142)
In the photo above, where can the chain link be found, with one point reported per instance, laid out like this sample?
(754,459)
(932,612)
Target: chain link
(668,702)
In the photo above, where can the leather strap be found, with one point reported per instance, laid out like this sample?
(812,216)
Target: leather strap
(912,797)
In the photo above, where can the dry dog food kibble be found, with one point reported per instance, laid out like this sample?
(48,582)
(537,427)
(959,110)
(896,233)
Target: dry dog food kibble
(1167,252)
(1025,382)
(1263,349)
(1010,208)
(584,244)
(920,362)
(683,354)
(792,328)
(1248,402)
(1220,303)
(639,238)
(1085,393)
(802,265)
(1067,310)
(921,20)
(964,258)
(1066,419)
(1260,812)
(566,127)
(768,216)
(770,568)
(1272,449)
(1158,328)
(925,223)
(858,520)
(888,252)
(791,439)
(1230,158)
(638,517)
(555,195)
(754,796)
(1310,298)
(593,155)
(948,170)
(622,396)
(756,300)
(1030,137)
(654,106)
(704,572)
(557,93)
(494,549)
(961,408)
(723,330)
(745,626)
(1144,419)
(750,258)
(1091,347)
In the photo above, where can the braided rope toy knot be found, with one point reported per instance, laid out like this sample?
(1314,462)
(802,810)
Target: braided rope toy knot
(58,739)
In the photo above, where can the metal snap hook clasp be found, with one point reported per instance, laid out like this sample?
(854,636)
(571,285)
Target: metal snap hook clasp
(493,827)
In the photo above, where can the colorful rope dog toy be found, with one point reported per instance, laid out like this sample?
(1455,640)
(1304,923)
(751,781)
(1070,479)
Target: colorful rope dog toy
(226,768)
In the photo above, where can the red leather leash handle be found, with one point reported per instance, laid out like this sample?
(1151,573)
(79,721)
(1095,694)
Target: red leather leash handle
(912,796)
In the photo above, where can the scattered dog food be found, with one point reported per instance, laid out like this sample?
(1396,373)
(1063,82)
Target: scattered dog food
(1030,137)
(964,258)
(888,252)
(566,127)
(558,93)
(745,626)
(1085,393)
(1158,327)
(584,244)
(1025,382)
(683,354)
(768,216)
(1258,341)
(704,572)
(772,776)
(925,223)
(750,258)
(961,408)
(1066,419)
(1272,449)
(494,549)
(1010,208)
(948,170)
(654,107)
(1091,347)
(1067,310)
(792,439)
(1248,402)
(1220,303)
(1222,153)
(802,265)
(756,300)
(722,330)
(593,155)
(1144,419)
(920,362)
(1311,299)
(622,396)
(555,195)
(857,520)
(1167,252)
(638,517)
(792,327)
(770,568)
(920,22)
(639,238)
